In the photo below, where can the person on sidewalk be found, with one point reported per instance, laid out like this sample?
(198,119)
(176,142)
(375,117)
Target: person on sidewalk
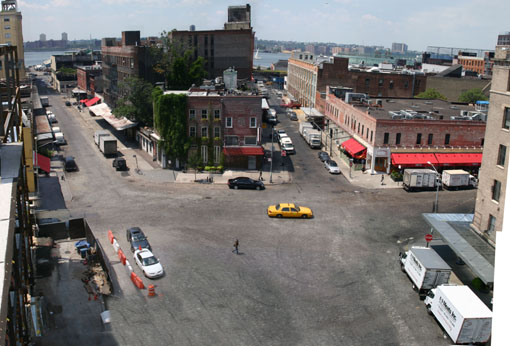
(236,247)
(260,176)
(382,179)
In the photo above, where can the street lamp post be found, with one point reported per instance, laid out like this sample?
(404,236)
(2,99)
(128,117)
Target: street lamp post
(272,148)
(436,206)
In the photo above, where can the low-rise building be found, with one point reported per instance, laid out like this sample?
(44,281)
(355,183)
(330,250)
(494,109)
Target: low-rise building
(390,133)
(309,74)
(63,68)
(90,79)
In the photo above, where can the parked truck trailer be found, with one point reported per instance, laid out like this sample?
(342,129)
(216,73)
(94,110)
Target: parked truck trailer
(108,145)
(465,318)
(455,179)
(303,126)
(98,134)
(419,179)
(313,138)
(425,268)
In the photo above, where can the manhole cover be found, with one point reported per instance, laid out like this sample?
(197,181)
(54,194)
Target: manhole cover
(67,252)
(207,197)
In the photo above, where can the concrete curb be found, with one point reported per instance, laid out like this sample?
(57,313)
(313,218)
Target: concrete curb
(137,281)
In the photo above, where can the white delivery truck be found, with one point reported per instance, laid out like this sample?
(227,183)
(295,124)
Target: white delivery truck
(59,139)
(419,179)
(454,179)
(465,318)
(108,145)
(98,134)
(303,126)
(272,118)
(425,268)
(45,101)
(313,138)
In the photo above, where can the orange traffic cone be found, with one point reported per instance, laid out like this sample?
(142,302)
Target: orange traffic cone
(152,291)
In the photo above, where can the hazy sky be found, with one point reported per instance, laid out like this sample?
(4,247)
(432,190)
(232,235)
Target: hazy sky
(464,24)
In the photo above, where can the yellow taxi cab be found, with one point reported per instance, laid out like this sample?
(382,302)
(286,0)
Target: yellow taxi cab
(289,210)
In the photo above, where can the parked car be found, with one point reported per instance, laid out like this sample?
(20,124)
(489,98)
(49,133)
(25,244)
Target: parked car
(68,103)
(120,164)
(323,156)
(70,164)
(148,263)
(332,167)
(289,210)
(288,147)
(284,138)
(52,118)
(245,183)
(278,133)
(293,116)
(137,239)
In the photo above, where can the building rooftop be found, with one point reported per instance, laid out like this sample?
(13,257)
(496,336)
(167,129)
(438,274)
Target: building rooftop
(415,109)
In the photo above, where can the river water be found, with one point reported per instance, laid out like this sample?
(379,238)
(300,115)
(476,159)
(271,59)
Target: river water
(266,59)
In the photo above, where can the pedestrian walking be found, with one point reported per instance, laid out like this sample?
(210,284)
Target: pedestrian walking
(260,176)
(236,247)
(382,179)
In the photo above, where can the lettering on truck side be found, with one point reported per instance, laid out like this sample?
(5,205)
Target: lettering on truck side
(449,316)
(413,262)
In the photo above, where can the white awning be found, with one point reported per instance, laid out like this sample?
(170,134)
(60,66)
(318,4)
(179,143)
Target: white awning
(118,123)
(100,109)
(78,91)
(265,105)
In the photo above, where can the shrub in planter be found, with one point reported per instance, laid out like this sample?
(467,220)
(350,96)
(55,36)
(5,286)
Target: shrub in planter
(396,176)
(219,168)
(209,168)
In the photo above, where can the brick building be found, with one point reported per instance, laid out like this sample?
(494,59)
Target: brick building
(490,199)
(308,74)
(64,80)
(121,60)
(226,124)
(471,63)
(402,132)
(90,79)
(230,47)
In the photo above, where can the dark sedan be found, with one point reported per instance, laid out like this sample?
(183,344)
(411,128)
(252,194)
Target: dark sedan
(137,239)
(245,183)
(323,156)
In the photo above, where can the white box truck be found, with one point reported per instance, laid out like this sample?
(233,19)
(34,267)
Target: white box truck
(465,318)
(313,138)
(425,268)
(45,101)
(108,145)
(454,179)
(98,134)
(419,179)
(303,126)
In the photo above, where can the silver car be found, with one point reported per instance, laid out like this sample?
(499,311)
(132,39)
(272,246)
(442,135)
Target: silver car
(332,167)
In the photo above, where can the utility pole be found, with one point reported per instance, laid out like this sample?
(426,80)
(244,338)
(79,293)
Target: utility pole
(272,148)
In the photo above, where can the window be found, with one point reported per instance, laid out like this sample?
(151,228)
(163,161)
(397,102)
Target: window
(217,154)
(391,84)
(204,153)
(371,135)
(397,138)
(192,131)
(191,114)
(491,224)
(362,129)
(231,140)
(204,131)
(406,84)
(506,119)
(250,140)
(228,123)
(7,19)
(253,123)
(367,82)
(447,139)
(217,114)
(386,138)
(418,138)
(496,190)
(381,82)
(8,35)
(7,27)
(502,155)
(431,137)
(216,131)
(204,114)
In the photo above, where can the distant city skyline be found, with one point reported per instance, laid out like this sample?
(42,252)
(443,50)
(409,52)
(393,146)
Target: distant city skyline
(469,24)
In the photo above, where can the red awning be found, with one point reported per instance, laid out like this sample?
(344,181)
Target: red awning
(459,159)
(243,151)
(44,163)
(415,160)
(83,101)
(354,148)
(92,101)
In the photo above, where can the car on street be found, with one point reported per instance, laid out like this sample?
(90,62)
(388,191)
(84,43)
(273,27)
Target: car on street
(279,132)
(288,147)
(293,116)
(332,167)
(70,164)
(137,239)
(120,164)
(284,138)
(245,183)
(323,156)
(68,103)
(52,118)
(289,210)
(148,263)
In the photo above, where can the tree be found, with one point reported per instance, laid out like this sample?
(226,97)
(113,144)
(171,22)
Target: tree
(177,66)
(170,121)
(473,95)
(431,94)
(195,161)
(137,102)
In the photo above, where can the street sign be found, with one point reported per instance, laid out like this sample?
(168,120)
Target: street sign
(428,238)
(284,153)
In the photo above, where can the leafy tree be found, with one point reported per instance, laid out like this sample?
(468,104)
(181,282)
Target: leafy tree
(472,95)
(176,64)
(195,161)
(137,101)
(170,121)
(431,94)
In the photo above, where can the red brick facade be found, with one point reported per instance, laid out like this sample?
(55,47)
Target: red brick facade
(86,76)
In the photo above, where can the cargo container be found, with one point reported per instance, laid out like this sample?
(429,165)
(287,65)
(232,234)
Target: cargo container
(455,179)
(419,179)
(303,126)
(108,145)
(98,134)
(465,318)
(313,138)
